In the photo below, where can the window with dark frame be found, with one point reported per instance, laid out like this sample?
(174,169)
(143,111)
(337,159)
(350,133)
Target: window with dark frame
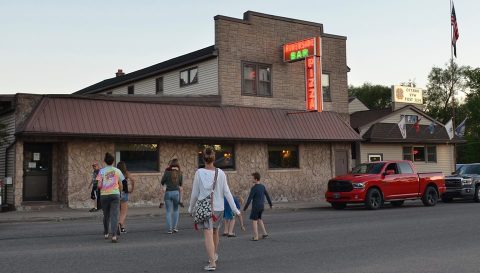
(256,79)
(131,90)
(327,96)
(224,156)
(138,157)
(159,85)
(283,157)
(188,76)
(420,153)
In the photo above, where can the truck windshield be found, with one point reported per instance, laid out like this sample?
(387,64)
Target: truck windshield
(469,169)
(368,168)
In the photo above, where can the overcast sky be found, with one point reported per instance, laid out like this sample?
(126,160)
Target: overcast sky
(62,46)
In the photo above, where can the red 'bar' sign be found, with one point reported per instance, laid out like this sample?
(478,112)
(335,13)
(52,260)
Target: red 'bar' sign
(300,50)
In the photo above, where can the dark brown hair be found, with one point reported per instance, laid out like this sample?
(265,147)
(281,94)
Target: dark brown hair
(256,176)
(176,171)
(208,155)
(123,168)
(109,158)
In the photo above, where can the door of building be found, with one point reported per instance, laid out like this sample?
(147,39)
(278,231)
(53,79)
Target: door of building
(37,172)
(341,162)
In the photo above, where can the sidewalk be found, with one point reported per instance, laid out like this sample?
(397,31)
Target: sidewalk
(66,214)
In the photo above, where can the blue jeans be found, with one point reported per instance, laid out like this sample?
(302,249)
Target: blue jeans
(172,198)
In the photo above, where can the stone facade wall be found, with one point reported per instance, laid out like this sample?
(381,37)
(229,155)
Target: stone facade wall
(305,183)
(260,39)
(18,178)
(60,173)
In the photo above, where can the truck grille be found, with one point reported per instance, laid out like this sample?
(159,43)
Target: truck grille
(453,183)
(339,186)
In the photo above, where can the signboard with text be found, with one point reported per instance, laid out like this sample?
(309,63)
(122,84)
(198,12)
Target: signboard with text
(300,50)
(407,94)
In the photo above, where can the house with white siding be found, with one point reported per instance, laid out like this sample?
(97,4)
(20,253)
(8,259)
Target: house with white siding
(427,143)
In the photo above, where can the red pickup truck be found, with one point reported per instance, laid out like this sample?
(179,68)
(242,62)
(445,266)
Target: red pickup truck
(385,181)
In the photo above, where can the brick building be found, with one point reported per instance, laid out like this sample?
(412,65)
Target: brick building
(238,95)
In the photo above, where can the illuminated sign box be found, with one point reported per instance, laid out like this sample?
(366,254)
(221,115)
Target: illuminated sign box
(300,50)
(407,94)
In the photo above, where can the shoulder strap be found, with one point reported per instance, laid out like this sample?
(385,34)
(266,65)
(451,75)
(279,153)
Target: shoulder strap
(213,189)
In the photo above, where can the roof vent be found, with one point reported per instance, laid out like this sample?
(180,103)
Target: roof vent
(119,73)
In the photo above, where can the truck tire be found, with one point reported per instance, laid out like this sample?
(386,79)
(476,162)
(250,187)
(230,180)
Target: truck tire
(430,197)
(339,206)
(373,199)
(398,203)
(476,196)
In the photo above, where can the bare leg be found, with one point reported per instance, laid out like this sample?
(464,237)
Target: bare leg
(216,239)
(255,229)
(123,213)
(226,224)
(231,226)
(262,226)
(210,246)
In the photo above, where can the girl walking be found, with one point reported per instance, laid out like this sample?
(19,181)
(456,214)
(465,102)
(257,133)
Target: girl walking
(211,181)
(172,180)
(128,184)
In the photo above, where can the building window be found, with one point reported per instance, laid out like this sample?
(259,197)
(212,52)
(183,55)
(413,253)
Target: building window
(282,157)
(138,157)
(188,76)
(432,153)
(410,119)
(420,153)
(375,157)
(256,79)
(131,90)
(159,85)
(326,87)
(224,156)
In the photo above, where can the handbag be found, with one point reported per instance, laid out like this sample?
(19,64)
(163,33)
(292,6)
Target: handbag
(204,207)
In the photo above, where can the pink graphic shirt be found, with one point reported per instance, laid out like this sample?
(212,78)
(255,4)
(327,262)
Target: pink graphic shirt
(108,179)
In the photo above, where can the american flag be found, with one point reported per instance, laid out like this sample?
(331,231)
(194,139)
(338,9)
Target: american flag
(455,31)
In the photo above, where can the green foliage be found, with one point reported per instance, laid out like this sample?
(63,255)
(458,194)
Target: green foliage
(442,85)
(373,96)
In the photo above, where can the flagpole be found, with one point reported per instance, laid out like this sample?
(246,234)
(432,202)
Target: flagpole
(453,91)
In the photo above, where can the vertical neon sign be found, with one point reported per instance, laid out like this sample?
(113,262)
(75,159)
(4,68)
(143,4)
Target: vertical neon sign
(310,51)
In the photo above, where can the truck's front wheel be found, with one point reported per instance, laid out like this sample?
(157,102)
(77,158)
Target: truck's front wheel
(476,197)
(430,197)
(374,199)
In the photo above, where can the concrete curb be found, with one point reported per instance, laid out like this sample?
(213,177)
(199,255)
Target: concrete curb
(67,214)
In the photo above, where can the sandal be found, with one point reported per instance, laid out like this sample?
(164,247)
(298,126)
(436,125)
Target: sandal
(264,236)
(123,230)
(232,235)
(253,239)
(225,234)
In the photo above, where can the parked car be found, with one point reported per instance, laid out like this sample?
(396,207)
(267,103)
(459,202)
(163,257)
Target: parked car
(463,183)
(385,181)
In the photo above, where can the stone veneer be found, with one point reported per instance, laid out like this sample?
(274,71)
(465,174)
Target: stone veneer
(306,183)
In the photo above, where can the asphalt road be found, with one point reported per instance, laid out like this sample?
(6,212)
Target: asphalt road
(412,238)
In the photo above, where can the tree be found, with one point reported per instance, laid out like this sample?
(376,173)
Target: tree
(469,152)
(373,96)
(443,85)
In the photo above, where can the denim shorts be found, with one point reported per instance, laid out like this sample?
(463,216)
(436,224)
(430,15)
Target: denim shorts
(124,197)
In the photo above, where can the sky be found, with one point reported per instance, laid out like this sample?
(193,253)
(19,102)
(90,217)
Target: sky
(59,47)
